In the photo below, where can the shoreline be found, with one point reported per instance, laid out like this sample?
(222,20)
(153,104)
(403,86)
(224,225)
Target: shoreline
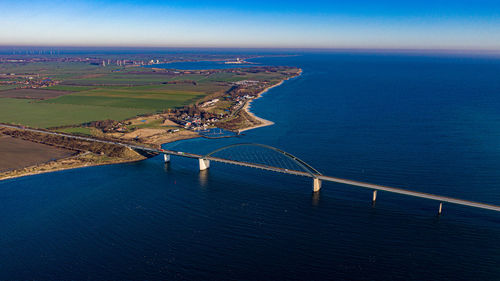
(43,166)
(43,170)
(66,168)
(247,106)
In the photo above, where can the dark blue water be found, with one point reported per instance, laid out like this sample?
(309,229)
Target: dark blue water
(427,123)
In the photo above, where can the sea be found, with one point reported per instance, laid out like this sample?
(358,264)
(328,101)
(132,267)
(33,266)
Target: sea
(424,122)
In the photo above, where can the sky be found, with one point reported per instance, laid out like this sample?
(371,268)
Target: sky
(365,24)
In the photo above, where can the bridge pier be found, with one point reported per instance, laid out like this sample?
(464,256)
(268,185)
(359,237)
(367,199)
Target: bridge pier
(316,184)
(166,158)
(204,164)
(440,208)
(374,196)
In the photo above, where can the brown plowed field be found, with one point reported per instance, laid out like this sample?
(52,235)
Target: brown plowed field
(17,153)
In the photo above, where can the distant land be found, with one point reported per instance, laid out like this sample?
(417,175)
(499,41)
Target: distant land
(133,97)
(225,51)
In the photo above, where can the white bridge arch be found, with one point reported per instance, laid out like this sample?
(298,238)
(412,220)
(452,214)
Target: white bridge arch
(205,160)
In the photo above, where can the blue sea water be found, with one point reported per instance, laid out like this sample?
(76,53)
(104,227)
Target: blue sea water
(426,123)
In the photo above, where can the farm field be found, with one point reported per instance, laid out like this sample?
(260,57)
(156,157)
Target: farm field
(84,93)
(152,102)
(77,130)
(71,88)
(56,70)
(17,153)
(32,93)
(153,98)
(46,115)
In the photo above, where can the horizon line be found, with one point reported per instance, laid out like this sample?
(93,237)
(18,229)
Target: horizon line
(298,48)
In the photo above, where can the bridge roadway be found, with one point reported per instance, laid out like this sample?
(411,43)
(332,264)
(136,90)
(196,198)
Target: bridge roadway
(374,187)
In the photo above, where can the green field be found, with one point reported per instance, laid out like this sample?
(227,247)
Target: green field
(91,104)
(53,69)
(153,98)
(45,115)
(77,130)
(130,79)
(148,125)
(99,93)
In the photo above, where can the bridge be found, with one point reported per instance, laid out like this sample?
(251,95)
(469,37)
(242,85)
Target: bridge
(281,162)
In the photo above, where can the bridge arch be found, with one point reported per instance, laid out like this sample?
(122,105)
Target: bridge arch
(306,167)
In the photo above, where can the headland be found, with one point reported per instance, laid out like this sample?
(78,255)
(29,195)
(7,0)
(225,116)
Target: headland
(146,106)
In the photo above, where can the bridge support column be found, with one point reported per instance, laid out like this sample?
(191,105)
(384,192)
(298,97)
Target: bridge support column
(166,157)
(316,184)
(374,196)
(204,164)
(440,208)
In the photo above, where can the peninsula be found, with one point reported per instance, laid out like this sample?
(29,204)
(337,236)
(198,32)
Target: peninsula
(116,98)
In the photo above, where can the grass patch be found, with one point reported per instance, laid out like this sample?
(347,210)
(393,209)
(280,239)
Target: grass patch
(221,107)
(77,130)
(155,124)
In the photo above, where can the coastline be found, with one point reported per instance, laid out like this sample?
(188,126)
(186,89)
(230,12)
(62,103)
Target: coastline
(77,166)
(48,167)
(62,165)
(247,106)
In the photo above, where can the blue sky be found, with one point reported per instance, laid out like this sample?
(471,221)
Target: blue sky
(405,24)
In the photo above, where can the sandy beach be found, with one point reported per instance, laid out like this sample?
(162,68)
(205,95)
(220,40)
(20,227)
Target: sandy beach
(247,106)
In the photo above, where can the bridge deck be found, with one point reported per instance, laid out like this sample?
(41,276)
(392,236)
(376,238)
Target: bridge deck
(365,185)
(286,171)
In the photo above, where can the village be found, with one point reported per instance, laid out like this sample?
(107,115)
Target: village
(26,81)
(199,117)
